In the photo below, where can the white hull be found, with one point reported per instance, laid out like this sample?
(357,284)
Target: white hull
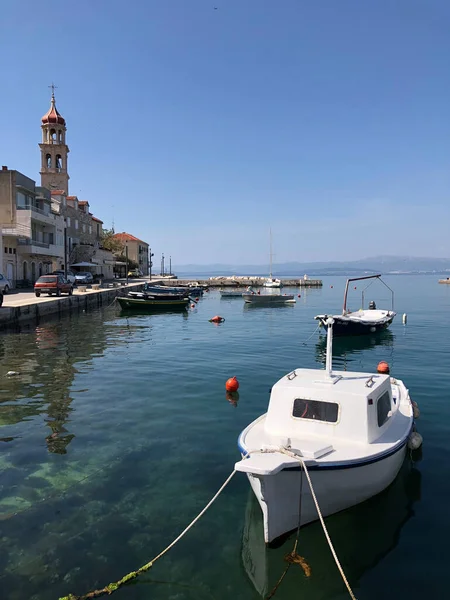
(272,283)
(336,489)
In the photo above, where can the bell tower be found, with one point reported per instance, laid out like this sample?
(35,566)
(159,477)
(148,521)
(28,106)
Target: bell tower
(54,150)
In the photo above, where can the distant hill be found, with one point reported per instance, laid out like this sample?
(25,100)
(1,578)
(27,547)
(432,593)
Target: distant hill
(376,264)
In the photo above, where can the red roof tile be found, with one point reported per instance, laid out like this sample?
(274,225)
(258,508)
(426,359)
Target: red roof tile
(82,202)
(123,237)
(95,219)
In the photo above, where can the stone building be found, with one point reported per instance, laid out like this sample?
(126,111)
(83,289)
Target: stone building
(137,250)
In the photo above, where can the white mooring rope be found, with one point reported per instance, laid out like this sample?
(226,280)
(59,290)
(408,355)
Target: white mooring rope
(319,512)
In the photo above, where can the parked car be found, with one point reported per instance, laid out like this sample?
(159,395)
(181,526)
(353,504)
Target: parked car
(70,275)
(52,284)
(84,277)
(135,273)
(5,284)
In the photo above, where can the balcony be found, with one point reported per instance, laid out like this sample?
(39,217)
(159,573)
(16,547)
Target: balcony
(28,212)
(27,246)
(15,230)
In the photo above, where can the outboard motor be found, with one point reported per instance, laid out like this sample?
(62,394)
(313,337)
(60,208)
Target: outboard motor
(372,305)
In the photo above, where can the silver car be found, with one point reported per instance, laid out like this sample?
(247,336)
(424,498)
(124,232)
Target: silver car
(5,284)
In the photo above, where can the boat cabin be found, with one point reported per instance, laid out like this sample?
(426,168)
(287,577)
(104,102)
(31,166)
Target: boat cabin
(348,406)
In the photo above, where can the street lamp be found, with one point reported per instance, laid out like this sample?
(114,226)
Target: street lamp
(126,258)
(150,262)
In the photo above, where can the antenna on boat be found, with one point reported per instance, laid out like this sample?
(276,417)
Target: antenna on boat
(329,363)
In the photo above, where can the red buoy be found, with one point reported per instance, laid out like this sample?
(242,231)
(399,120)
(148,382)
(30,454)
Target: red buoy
(192,305)
(232,385)
(383,367)
(217,319)
(331,286)
(299,296)
(355,287)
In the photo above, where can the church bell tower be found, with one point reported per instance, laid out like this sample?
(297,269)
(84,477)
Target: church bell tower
(54,150)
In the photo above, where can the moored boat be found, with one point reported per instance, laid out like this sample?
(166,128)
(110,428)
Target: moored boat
(251,297)
(362,321)
(349,429)
(144,300)
(231,293)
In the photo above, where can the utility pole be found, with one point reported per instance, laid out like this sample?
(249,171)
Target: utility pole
(126,258)
(170,265)
(162,265)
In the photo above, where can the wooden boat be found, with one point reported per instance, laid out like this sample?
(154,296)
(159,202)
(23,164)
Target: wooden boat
(361,321)
(351,430)
(143,300)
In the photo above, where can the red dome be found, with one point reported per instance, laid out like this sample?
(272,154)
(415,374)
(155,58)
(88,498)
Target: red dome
(53,115)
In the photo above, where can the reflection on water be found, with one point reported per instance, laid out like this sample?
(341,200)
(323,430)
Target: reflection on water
(363,535)
(345,349)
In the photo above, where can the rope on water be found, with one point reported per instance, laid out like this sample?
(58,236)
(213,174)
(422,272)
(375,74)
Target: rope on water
(112,587)
(291,557)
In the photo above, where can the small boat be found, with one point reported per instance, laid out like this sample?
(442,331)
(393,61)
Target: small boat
(231,293)
(350,429)
(361,321)
(165,289)
(143,300)
(252,297)
(271,282)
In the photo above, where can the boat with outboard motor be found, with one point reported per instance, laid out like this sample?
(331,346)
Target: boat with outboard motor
(350,430)
(362,321)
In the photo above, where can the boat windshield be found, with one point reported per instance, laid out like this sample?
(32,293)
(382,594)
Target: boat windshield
(316,410)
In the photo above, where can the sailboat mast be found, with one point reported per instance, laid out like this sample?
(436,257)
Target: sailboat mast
(270,238)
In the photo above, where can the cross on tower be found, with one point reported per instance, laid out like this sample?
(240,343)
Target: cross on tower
(53,88)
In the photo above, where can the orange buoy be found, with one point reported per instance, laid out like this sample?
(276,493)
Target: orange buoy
(383,367)
(232,385)
(217,319)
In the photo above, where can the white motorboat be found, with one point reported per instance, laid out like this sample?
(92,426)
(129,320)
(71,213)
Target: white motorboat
(350,429)
(362,321)
(268,299)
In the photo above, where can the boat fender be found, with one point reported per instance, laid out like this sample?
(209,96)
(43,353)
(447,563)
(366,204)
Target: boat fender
(383,367)
(416,411)
(404,319)
(217,319)
(415,440)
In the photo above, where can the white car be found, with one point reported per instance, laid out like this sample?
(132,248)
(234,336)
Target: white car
(70,276)
(5,284)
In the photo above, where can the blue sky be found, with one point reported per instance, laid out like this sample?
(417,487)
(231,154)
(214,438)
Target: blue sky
(197,129)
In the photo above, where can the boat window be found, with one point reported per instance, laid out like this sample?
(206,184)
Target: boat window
(316,410)
(383,408)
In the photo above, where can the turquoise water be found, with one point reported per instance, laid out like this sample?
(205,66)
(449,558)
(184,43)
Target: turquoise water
(117,431)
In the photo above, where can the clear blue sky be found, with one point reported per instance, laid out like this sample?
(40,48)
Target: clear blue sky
(197,129)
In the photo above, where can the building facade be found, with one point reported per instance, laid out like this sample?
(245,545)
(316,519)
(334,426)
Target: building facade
(32,229)
(137,250)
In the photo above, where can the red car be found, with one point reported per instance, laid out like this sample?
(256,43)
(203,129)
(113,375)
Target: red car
(52,284)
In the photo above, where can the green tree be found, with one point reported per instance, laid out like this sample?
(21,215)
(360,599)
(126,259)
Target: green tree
(111,243)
